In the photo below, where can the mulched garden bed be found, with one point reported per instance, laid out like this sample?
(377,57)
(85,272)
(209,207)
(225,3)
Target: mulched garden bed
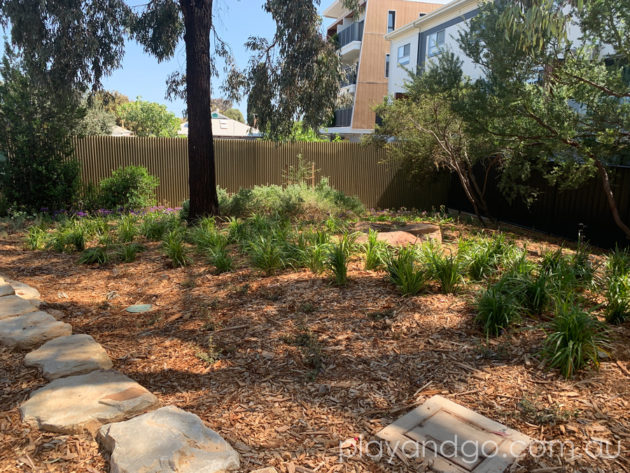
(242,351)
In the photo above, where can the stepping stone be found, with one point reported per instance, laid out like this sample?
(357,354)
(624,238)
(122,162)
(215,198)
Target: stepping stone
(84,403)
(166,440)
(11,306)
(393,238)
(454,438)
(26,292)
(6,290)
(67,356)
(31,330)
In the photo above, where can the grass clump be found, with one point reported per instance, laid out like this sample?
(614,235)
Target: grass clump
(36,238)
(220,258)
(497,308)
(338,257)
(129,252)
(266,253)
(375,252)
(174,248)
(96,255)
(156,225)
(405,272)
(127,229)
(617,286)
(445,269)
(574,339)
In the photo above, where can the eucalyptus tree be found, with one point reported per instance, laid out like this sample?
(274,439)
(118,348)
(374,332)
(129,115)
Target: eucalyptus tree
(555,89)
(84,40)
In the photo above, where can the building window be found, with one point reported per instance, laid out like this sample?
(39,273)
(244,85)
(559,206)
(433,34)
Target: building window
(435,43)
(403,54)
(391,21)
(387,65)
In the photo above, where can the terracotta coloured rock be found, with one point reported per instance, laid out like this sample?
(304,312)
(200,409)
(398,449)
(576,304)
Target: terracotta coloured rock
(166,440)
(393,238)
(67,356)
(6,290)
(84,403)
(31,330)
(11,306)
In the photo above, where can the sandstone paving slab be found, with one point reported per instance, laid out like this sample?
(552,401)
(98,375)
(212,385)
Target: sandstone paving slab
(425,231)
(84,403)
(166,440)
(31,330)
(11,306)
(6,290)
(26,292)
(69,355)
(454,439)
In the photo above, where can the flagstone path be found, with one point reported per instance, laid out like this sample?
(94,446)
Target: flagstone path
(85,395)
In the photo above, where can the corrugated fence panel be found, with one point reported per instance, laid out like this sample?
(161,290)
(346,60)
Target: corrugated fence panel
(351,168)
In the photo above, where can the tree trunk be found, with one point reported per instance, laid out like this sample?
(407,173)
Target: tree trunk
(603,174)
(469,194)
(202,175)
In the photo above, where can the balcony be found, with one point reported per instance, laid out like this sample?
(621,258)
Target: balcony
(343,118)
(349,76)
(352,33)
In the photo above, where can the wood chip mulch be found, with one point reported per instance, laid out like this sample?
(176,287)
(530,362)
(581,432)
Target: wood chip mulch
(224,347)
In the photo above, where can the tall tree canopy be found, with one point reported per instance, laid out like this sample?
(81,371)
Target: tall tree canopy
(148,119)
(548,100)
(295,73)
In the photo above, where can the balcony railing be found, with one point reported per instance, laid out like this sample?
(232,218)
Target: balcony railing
(349,76)
(343,117)
(354,32)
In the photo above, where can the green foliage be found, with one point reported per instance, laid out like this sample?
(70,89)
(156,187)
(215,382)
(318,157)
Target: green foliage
(497,309)
(300,133)
(129,188)
(36,238)
(155,225)
(267,253)
(68,238)
(375,252)
(205,236)
(96,255)
(618,298)
(174,248)
(220,258)
(405,272)
(97,120)
(127,228)
(36,122)
(296,200)
(234,114)
(338,258)
(574,339)
(447,270)
(148,119)
(128,253)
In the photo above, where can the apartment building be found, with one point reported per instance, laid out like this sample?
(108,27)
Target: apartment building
(426,37)
(365,55)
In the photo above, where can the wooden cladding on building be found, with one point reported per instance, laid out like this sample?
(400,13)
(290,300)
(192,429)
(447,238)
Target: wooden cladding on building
(351,168)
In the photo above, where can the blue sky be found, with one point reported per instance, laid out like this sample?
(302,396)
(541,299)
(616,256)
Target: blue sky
(235,20)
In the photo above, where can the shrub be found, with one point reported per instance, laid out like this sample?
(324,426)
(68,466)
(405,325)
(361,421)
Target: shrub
(69,238)
(338,258)
(405,273)
(618,262)
(205,236)
(539,293)
(497,308)
(174,249)
(574,339)
(156,225)
(375,252)
(96,255)
(129,188)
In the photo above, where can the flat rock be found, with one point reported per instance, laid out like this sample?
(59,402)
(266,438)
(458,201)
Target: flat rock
(425,231)
(139,308)
(26,292)
(31,330)
(11,306)
(392,238)
(166,440)
(84,403)
(67,356)
(6,290)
